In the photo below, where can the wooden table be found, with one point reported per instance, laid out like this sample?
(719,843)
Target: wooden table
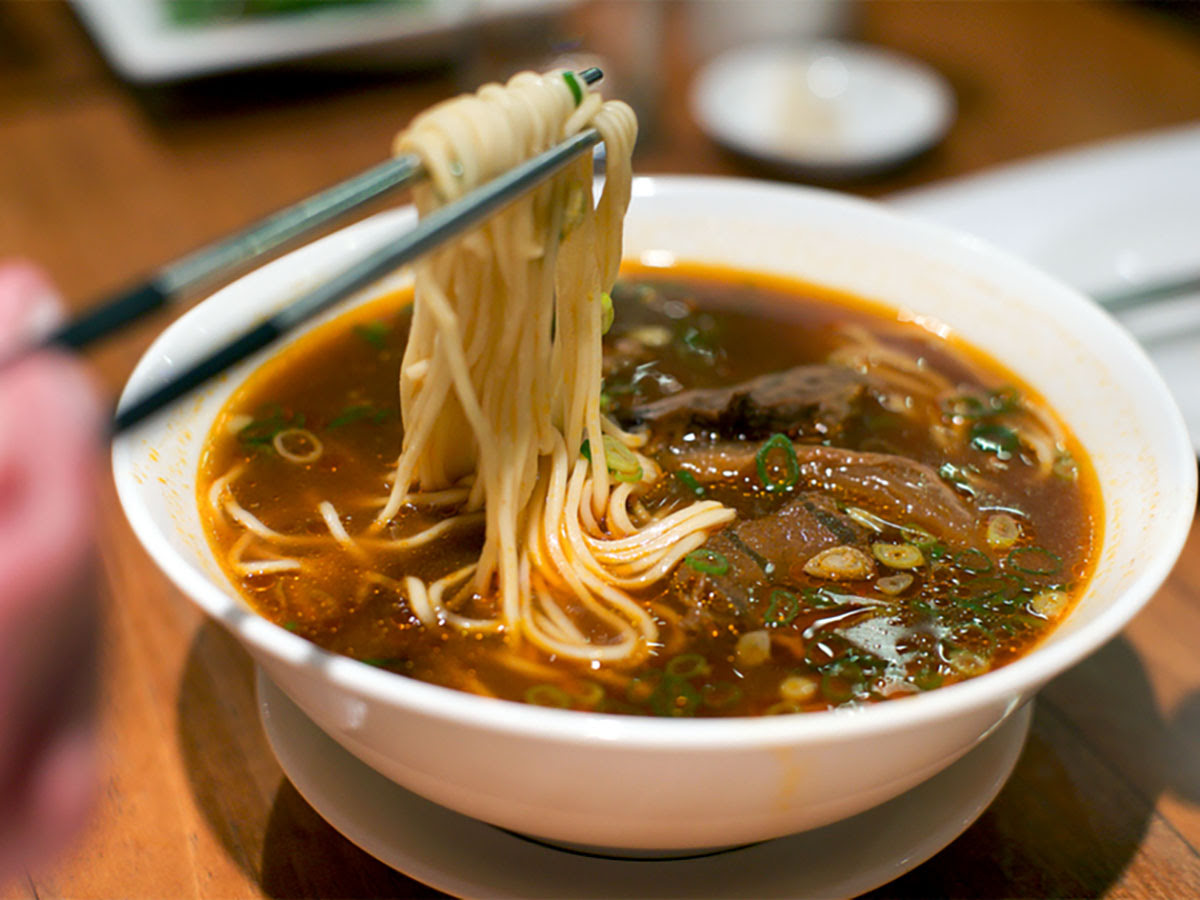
(100,182)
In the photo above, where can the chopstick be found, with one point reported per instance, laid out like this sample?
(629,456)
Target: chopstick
(446,222)
(1119,301)
(175,279)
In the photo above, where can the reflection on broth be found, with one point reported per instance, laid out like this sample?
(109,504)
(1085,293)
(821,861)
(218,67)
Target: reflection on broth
(904,513)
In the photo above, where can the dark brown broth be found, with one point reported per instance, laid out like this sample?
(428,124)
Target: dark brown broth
(850,642)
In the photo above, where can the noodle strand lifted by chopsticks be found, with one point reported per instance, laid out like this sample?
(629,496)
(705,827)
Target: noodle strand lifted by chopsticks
(502,374)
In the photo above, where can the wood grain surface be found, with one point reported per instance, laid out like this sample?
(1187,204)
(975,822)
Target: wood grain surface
(101,181)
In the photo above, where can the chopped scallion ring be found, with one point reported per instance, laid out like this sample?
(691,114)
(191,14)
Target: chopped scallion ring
(783,608)
(621,462)
(974,561)
(720,694)
(688,665)
(1035,561)
(573,84)
(791,474)
(708,562)
(547,695)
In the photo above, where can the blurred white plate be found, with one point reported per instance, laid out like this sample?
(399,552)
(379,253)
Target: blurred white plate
(468,858)
(1106,218)
(142,43)
(828,108)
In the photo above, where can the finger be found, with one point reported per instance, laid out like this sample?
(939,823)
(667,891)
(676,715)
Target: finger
(48,460)
(29,305)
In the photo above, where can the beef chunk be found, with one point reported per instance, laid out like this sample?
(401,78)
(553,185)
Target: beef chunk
(901,490)
(805,400)
(770,549)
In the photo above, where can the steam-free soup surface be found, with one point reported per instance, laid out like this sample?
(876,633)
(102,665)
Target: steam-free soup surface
(908,515)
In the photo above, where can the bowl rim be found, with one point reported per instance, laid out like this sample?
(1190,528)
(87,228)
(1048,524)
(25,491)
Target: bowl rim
(1007,686)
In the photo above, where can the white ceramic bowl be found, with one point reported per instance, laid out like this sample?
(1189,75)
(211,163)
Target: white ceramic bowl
(639,783)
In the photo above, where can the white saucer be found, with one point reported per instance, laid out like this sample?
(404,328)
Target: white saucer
(468,858)
(827,107)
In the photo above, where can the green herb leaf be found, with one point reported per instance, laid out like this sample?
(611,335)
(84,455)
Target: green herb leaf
(688,480)
(374,333)
(351,414)
(991,438)
(270,420)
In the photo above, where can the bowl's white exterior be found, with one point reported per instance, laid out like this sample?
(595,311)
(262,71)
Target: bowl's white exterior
(649,784)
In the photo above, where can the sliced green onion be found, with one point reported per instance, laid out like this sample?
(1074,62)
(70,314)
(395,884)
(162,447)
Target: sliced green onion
(822,598)
(270,421)
(964,407)
(548,695)
(573,84)
(894,584)
(364,411)
(688,665)
(917,536)
(688,480)
(791,464)
(991,438)
(753,648)
(967,662)
(641,687)
(1003,531)
(382,662)
(783,708)
(374,333)
(1065,467)
(974,561)
(1005,588)
(707,562)
(1049,604)
(957,477)
(720,695)
(1005,400)
(898,556)
(621,462)
(927,680)
(675,698)
(1035,561)
(606,313)
(798,688)
(589,693)
(783,608)
(839,682)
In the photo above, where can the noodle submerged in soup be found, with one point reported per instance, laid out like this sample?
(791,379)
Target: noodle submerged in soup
(905,514)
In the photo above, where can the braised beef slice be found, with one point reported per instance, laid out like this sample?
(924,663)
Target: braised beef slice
(902,491)
(770,549)
(807,400)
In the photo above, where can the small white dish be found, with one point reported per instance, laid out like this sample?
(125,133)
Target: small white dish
(142,43)
(1107,218)
(468,858)
(825,108)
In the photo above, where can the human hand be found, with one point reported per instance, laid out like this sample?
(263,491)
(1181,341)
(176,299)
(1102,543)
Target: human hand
(50,422)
